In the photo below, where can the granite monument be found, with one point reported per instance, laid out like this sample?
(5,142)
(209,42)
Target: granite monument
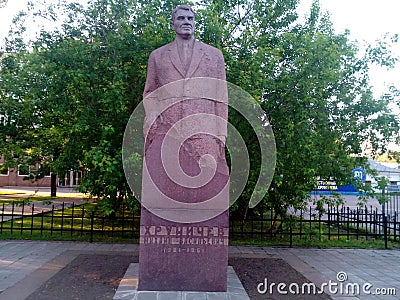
(185,181)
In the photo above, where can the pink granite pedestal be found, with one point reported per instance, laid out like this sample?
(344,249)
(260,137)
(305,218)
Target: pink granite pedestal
(183,257)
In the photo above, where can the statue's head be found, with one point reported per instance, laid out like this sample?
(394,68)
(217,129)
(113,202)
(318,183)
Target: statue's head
(182,21)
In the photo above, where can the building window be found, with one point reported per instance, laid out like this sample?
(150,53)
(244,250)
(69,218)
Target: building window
(45,170)
(23,170)
(3,170)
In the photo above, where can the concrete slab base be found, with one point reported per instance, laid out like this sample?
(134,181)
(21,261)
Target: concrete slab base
(127,289)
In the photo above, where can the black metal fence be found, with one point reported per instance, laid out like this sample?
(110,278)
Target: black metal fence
(68,222)
(82,223)
(367,222)
(392,205)
(336,223)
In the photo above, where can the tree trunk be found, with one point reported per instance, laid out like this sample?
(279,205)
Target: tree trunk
(53,185)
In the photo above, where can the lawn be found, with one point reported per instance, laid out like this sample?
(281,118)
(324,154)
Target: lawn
(87,223)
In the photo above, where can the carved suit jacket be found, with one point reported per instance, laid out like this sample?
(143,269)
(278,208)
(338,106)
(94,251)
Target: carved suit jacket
(165,67)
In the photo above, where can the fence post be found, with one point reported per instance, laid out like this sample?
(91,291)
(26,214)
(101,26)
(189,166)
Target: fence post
(12,217)
(365,221)
(22,217)
(262,220)
(91,226)
(32,217)
(62,217)
(319,226)
(338,222)
(329,222)
(72,217)
(272,222)
(123,220)
(301,223)
(348,223)
(310,219)
(52,220)
(82,218)
(370,218)
(41,223)
(385,230)
(133,224)
(395,226)
(291,231)
(2,219)
(383,203)
(358,222)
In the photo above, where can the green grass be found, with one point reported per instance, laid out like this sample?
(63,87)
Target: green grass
(85,237)
(316,235)
(69,225)
(322,243)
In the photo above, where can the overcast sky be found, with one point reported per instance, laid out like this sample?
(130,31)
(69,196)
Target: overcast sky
(366,19)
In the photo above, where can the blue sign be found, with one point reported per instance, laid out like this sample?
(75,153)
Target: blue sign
(328,186)
(360,174)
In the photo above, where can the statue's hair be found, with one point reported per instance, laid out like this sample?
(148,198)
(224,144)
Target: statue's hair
(184,7)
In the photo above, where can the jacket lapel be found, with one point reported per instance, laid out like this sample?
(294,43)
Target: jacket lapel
(194,64)
(174,56)
(197,55)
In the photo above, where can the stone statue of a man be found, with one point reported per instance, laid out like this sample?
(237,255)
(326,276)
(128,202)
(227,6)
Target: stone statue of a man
(184,221)
(185,58)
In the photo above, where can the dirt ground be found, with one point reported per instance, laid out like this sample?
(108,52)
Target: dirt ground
(87,277)
(97,277)
(252,271)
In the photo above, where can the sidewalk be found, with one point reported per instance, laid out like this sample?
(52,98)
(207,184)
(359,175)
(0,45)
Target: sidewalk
(22,192)
(25,265)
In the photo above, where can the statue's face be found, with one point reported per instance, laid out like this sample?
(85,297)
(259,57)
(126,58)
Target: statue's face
(183,23)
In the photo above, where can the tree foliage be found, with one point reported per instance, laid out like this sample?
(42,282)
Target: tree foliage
(66,96)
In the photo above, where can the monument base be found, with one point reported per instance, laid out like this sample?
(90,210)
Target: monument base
(127,289)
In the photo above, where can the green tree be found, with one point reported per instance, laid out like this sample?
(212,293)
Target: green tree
(3,3)
(68,95)
(77,87)
(314,87)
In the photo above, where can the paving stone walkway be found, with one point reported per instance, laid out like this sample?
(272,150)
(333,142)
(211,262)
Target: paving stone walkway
(25,265)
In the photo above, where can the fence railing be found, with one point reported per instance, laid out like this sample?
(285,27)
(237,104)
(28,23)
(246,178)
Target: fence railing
(368,222)
(336,223)
(80,222)
(73,222)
